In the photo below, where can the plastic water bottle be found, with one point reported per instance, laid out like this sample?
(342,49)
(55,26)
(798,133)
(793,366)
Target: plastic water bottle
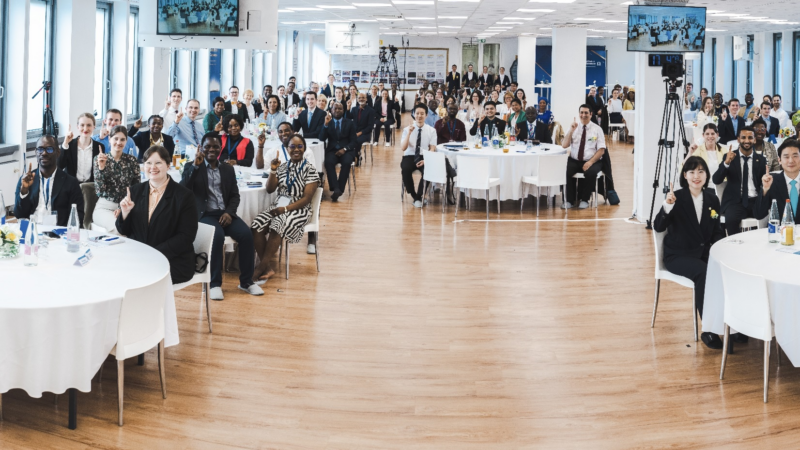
(73,231)
(774,223)
(787,225)
(2,209)
(30,251)
(495,138)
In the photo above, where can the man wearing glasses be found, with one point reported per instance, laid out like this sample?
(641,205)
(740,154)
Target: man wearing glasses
(47,191)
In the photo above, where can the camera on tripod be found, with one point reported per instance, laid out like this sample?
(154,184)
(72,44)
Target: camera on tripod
(673,74)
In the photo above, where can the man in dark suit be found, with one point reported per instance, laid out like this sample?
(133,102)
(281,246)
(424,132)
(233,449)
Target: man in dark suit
(342,149)
(773,125)
(146,139)
(486,79)
(731,123)
(782,186)
(453,80)
(532,128)
(364,118)
(291,98)
(310,120)
(46,189)
(743,170)
(488,121)
(469,77)
(330,90)
(217,198)
(234,106)
(502,79)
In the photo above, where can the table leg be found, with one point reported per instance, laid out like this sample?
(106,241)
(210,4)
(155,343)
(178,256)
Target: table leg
(73,408)
(140,361)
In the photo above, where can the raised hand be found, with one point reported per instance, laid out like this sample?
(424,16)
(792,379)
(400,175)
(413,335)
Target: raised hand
(199,157)
(328,119)
(139,122)
(27,180)
(275,163)
(126,205)
(724,114)
(670,196)
(262,138)
(102,159)
(104,131)
(574,125)
(225,97)
(168,104)
(766,182)
(729,157)
(70,135)
(693,147)
(218,126)
(179,116)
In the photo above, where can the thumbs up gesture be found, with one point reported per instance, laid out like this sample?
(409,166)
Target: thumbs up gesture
(126,205)
(670,196)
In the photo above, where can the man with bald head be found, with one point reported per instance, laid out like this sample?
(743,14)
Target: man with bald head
(46,191)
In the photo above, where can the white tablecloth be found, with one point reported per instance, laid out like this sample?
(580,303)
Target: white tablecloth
(630,121)
(58,322)
(509,167)
(756,255)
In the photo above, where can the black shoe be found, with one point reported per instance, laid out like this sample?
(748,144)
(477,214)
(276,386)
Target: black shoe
(711,340)
(335,196)
(740,338)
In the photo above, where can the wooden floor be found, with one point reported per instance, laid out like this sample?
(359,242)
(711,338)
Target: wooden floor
(422,333)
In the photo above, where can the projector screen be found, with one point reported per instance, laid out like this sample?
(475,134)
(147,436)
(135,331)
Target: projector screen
(198,17)
(666,29)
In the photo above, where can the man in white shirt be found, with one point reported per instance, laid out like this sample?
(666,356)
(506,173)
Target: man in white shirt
(486,79)
(189,130)
(416,138)
(234,106)
(778,112)
(172,107)
(469,76)
(502,79)
(586,144)
(782,186)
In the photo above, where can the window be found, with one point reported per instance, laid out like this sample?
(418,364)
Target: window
(777,62)
(734,73)
(183,72)
(2,63)
(469,55)
(134,54)
(796,69)
(750,47)
(713,89)
(102,58)
(40,60)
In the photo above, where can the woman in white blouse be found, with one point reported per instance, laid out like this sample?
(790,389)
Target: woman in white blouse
(712,152)
(615,107)
(248,103)
(475,105)
(77,154)
(705,115)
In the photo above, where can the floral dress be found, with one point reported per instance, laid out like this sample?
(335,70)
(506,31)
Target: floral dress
(291,225)
(113,182)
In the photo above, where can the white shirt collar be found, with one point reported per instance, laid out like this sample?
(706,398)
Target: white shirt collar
(789,180)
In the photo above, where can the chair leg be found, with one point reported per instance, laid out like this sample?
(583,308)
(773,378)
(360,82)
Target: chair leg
(498,199)
(316,253)
(287,260)
(208,310)
(694,316)
(120,386)
(458,199)
(605,189)
(766,369)
(778,351)
(655,304)
(521,202)
(162,374)
(487,204)
(348,185)
(725,338)
(280,253)
(1,407)
(353,173)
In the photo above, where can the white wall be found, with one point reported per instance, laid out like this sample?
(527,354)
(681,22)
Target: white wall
(569,72)
(620,63)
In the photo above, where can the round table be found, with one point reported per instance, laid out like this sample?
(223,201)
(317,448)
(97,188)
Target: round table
(58,321)
(757,256)
(509,167)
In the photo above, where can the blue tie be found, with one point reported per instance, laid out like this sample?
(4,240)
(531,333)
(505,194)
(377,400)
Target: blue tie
(793,195)
(309,119)
(338,127)
(735,125)
(194,133)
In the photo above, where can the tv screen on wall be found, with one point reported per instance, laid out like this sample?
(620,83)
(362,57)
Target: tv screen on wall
(666,29)
(198,17)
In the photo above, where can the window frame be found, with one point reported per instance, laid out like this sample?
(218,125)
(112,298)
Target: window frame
(108,7)
(734,72)
(136,70)
(777,61)
(713,90)
(751,43)
(49,63)
(795,64)
(3,65)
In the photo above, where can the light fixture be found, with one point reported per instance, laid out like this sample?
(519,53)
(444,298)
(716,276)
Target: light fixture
(336,6)
(588,19)
(447,32)
(536,10)
(519,18)
(453,17)
(419,18)
(626,3)
(306,9)
(371,5)
(412,2)
(422,28)
(285,11)
(442,26)
(509,23)
(614,21)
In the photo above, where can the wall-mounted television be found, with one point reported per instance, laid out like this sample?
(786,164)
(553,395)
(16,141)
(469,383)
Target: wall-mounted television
(198,17)
(666,29)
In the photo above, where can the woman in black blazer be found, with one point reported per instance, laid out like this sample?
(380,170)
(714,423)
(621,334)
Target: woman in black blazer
(68,160)
(689,237)
(172,225)
(386,120)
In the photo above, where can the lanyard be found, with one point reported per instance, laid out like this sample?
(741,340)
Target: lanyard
(286,157)
(228,146)
(46,193)
(289,183)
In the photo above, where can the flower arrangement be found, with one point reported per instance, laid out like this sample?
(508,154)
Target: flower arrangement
(9,242)
(180,164)
(786,132)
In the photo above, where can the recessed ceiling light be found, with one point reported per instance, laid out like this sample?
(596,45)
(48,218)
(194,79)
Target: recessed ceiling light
(447,32)
(588,19)
(442,26)
(755,18)
(306,9)
(336,6)
(509,23)
(412,2)
(626,3)
(419,18)
(453,17)
(614,21)
(420,28)
(536,10)
(519,18)
(371,5)
(285,11)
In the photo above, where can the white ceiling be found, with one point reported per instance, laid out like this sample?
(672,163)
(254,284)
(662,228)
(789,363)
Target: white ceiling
(490,18)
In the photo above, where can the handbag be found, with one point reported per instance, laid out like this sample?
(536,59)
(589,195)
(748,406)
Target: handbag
(613,198)
(200,262)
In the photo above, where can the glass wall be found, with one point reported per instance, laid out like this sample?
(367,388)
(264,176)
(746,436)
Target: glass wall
(491,58)
(133,64)
(40,46)
(777,63)
(102,39)
(469,55)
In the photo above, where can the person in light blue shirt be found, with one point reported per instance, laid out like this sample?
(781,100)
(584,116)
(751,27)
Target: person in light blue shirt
(188,130)
(113,119)
(432,117)
(273,116)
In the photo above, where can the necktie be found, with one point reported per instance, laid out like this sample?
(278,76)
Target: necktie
(419,142)
(194,132)
(793,195)
(47,194)
(745,176)
(310,115)
(735,126)
(338,127)
(583,144)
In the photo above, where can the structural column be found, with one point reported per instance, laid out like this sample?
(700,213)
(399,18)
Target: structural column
(526,64)
(762,65)
(74,63)
(569,73)
(16,86)
(155,84)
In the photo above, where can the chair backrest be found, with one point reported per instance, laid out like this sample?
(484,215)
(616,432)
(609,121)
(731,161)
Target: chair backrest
(720,188)
(89,202)
(203,243)
(746,303)
(553,170)
(141,318)
(658,241)
(313,221)
(473,172)
(435,167)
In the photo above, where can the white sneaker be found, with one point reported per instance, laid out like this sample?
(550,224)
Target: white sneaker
(311,249)
(387,145)
(583,205)
(260,282)
(375,143)
(216,293)
(418,204)
(253,289)
(566,205)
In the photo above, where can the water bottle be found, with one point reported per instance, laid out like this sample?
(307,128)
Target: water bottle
(774,223)
(528,146)
(495,138)
(30,251)
(73,231)
(787,225)
(2,209)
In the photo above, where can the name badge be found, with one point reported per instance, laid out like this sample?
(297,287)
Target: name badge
(283,201)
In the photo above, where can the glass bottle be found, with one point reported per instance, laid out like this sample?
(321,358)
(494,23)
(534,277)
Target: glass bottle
(30,251)
(73,231)
(774,223)
(787,225)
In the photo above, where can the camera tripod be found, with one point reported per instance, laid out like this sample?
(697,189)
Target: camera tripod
(48,123)
(672,115)
(388,65)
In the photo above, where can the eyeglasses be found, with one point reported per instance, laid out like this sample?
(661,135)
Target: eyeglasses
(297,147)
(40,150)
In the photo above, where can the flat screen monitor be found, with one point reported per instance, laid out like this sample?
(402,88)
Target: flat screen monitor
(198,17)
(666,29)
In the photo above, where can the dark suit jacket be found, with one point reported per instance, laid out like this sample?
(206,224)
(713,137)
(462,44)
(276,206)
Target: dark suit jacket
(337,141)
(486,80)
(317,122)
(486,126)
(373,102)
(685,236)
(171,230)
(593,104)
(328,91)
(295,99)
(142,141)
(367,121)
(773,126)
(541,132)
(242,110)
(733,190)
(257,108)
(726,132)
(389,113)
(503,80)
(66,191)
(196,180)
(779,192)
(453,81)
(465,78)
(68,159)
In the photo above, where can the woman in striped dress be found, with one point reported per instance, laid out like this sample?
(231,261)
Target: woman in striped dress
(296,182)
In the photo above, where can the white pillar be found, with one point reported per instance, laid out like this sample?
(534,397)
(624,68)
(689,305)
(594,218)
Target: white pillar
(724,66)
(73,65)
(762,65)
(155,79)
(16,84)
(202,77)
(569,73)
(526,63)
(787,67)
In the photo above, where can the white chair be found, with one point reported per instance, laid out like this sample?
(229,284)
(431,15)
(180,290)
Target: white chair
(435,173)
(663,274)
(620,127)
(141,327)
(392,129)
(311,227)
(747,311)
(551,171)
(352,175)
(579,176)
(371,158)
(203,243)
(473,173)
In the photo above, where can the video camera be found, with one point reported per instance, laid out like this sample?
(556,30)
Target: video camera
(673,74)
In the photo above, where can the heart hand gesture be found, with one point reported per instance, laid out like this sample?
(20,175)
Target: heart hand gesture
(126,205)
(27,181)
